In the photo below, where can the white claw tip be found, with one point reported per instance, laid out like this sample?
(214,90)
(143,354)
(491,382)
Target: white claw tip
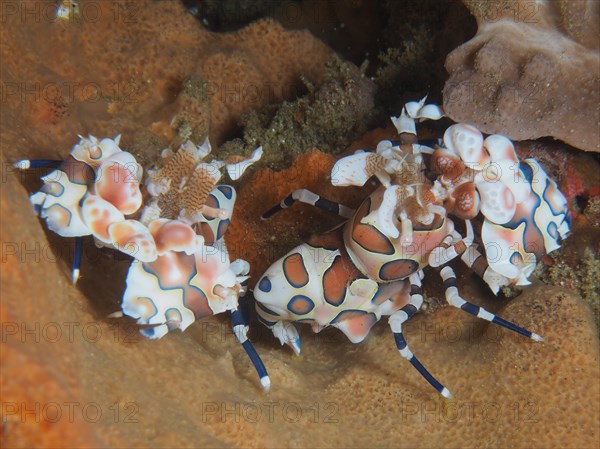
(266,383)
(446,393)
(117,314)
(295,344)
(22,165)
(536,337)
(75,275)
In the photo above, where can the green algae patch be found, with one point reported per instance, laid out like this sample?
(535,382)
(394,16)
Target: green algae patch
(328,117)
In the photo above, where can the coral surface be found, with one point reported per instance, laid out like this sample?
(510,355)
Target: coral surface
(532,70)
(145,69)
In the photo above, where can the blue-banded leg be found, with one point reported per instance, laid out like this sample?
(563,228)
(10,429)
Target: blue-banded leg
(239,321)
(27,164)
(308,197)
(454,299)
(77,259)
(403,315)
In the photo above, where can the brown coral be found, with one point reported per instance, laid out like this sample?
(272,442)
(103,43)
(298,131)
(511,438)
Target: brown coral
(531,71)
(140,68)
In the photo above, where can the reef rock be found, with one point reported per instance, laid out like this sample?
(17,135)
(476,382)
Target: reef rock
(531,70)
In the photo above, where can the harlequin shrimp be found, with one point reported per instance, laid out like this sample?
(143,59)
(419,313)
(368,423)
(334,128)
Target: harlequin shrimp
(172,225)
(372,265)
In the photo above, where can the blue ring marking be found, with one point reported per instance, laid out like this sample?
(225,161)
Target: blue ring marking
(409,309)
(553,230)
(50,185)
(83,198)
(226,190)
(265,309)
(400,341)
(513,225)
(45,209)
(153,273)
(265,284)
(174,309)
(222,227)
(515,258)
(300,298)
(153,305)
(99,150)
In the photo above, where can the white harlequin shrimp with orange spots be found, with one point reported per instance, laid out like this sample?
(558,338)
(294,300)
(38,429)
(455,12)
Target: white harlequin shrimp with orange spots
(371,265)
(172,227)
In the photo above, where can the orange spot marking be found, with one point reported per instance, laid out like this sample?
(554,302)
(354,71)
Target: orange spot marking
(301,306)
(174,235)
(100,223)
(361,325)
(369,237)
(355,323)
(447,164)
(465,201)
(398,269)
(334,282)
(60,215)
(295,271)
